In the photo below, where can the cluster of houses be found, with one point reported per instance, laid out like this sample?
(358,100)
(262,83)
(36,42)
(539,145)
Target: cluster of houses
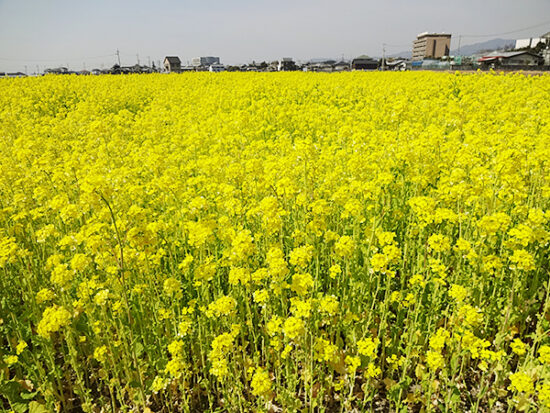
(173,64)
(115,70)
(12,74)
(431,51)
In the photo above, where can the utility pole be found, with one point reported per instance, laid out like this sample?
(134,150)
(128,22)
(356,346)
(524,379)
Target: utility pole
(26,69)
(383,56)
(137,57)
(149,61)
(118,55)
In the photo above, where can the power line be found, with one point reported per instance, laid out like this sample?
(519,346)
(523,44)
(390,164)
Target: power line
(509,32)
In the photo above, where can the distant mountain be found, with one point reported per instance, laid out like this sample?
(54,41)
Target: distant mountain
(489,45)
(470,49)
(405,55)
(321,59)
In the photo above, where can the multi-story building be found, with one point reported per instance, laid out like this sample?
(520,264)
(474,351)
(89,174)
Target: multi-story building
(431,46)
(205,61)
(533,42)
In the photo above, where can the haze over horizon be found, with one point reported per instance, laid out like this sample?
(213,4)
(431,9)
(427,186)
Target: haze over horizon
(61,32)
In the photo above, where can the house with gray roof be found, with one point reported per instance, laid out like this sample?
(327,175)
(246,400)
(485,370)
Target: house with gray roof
(364,62)
(510,59)
(172,64)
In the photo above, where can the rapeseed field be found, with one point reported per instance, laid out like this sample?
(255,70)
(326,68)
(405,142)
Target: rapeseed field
(289,242)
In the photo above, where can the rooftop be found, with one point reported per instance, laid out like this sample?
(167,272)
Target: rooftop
(363,57)
(173,59)
(426,34)
(496,53)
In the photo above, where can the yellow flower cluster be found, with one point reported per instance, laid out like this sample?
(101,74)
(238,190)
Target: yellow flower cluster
(53,319)
(293,327)
(100,354)
(261,382)
(172,287)
(521,382)
(367,347)
(175,366)
(222,306)
(221,347)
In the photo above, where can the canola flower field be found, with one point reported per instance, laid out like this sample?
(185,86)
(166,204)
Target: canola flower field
(289,242)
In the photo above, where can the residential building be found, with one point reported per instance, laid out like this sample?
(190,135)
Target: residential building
(318,65)
(286,64)
(216,68)
(396,64)
(126,70)
(56,71)
(510,59)
(172,64)
(15,74)
(253,67)
(341,66)
(273,66)
(205,61)
(364,62)
(431,46)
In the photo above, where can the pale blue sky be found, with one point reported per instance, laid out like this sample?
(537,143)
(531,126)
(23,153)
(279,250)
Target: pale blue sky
(59,32)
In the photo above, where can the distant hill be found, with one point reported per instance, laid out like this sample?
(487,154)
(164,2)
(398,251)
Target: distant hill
(470,49)
(321,59)
(405,55)
(489,45)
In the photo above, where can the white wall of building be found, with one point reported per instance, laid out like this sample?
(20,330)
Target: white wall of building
(532,42)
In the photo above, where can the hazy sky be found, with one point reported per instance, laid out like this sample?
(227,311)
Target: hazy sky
(51,33)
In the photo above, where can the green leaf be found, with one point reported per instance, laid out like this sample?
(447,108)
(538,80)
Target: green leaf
(139,349)
(28,395)
(523,404)
(10,390)
(35,407)
(19,407)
